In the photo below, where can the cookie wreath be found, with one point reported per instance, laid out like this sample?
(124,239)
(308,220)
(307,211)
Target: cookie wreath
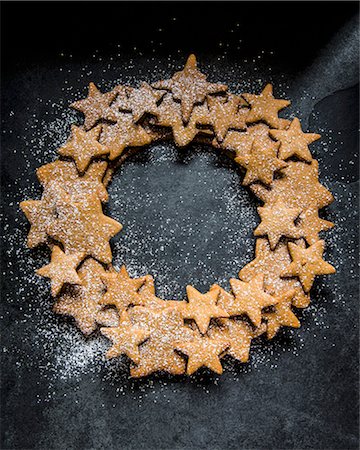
(167,335)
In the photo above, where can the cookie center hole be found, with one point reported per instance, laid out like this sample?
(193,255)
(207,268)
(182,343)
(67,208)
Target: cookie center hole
(187,219)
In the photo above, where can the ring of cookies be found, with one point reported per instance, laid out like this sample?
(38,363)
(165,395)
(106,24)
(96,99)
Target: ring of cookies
(181,336)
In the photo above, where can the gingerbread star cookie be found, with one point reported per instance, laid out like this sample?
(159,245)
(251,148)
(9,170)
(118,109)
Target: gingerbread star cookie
(121,290)
(264,107)
(82,303)
(261,163)
(189,87)
(62,269)
(125,133)
(166,327)
(239,334)
(225,114)
(294,142)
(78,187)
(307,263)
(271,263)
(298,187)
(125,338)
(203,351)
(282,316)
(311,224)
(278,220)
(202,307)
(41,214)
(83,146)
(250,298)
(82,227)
(140,101)
(96,106)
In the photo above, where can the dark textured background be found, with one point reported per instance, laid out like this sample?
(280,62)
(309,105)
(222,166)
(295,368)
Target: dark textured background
(308,401)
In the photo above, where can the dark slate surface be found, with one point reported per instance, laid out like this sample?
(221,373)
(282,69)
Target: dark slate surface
(303,399)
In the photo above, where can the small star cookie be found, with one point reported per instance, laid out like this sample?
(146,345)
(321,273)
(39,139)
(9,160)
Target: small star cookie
(307,263)
(278,220)
(311,224)
(83,146)
(260,163)
(294,142)
(189,87)
(202,307)
(83,302)
(82,227)
(265,107)
(62,269)
(282,316)
(203,351)
(250,298)
(122,291)
(125,338)
(96,107)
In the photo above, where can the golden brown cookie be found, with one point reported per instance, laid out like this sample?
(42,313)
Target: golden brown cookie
(83,302)
(140,101)
(125,338)
(202,307)
(65,174)
(277,220)
(203,351)
(311,224)
(307,263)
(124,133)
(82,227)
(271,263)
(121,290)
(282,315)
(189,87)
(41,213)
(62,269)
(294,142)
(158,353)
(83,146)
(96,107)
(249,299)
(264,107)
(261,163)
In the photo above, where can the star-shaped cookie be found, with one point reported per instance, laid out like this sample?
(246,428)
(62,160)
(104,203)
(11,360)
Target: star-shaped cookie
(264,107)
(307,263)
(96,106)
(166,327)
(282,316)
(277,220)
(76,186)
(125,338)
(261,163)
(311,224)
(271,264)
(189,87)
(169,115)
(294,142)
(239,334)
(83,146)
(203,351)
(140,101)
(250,298)
(202,307)
(225,114)
(62,269)
(121,290)
(82,227)
(125,133)
(83,302)
(298,187)
(41,213)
